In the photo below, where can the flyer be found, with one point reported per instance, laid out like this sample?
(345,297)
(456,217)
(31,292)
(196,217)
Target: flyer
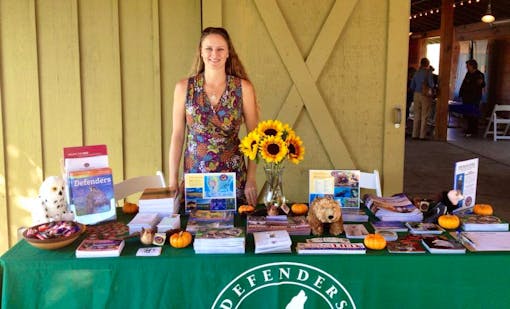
(465,181)
(210,191)
(341,185)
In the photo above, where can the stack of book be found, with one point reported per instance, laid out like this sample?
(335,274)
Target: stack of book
(407,244)
(207,219)
(228,240)
(272,242)
(296,225)
(330,248)
(483,223)
(420,228)
(354,215)
(143,220)
(395,226)
(394,208)
(171,222)
(162,201)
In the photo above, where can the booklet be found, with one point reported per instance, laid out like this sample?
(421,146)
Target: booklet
(99,248)
(465,180)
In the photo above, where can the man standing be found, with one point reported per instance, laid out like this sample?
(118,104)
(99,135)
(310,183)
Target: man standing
(471,93)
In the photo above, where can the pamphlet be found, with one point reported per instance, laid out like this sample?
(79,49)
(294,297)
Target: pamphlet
(341,185)
(210,191)
(465,180)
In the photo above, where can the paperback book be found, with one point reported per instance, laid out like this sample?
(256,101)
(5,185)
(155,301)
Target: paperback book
(443,244)
(407,244)
(354,215)
(483,223)
(394,208)
(272,242)
(330,248)
(355,231)
(419,228)
(160,200)
(388,235)
(295,225)
(99,248)
(91,196)
(230,240)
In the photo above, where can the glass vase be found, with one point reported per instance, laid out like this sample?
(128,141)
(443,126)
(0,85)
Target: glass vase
(272,195)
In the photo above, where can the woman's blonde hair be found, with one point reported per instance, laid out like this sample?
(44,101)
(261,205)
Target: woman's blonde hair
(233,65)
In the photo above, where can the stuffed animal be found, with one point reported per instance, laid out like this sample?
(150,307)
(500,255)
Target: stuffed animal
(325,210)
(51,204)
(449,200)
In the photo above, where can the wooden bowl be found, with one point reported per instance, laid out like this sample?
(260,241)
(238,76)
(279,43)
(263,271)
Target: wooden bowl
(54,243)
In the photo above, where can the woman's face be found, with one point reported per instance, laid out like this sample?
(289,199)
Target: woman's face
(214,51)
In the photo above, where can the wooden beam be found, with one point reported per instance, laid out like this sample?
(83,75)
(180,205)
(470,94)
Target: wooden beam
(445,60)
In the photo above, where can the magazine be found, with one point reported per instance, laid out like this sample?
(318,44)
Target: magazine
(99,248)
(395,226)
(486,241)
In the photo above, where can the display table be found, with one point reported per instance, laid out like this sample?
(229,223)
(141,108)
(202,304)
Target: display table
(34,278)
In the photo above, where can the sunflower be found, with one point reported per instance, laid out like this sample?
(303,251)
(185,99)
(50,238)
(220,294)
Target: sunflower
(250,145)
(296,149)
(270,128)
(273,149)
(287,131)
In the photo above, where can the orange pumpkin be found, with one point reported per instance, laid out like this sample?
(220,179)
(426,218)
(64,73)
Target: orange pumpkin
(299,209)
(449,222)
(129,208)
(375,242)
(483,209)
(181,239)
(246,209)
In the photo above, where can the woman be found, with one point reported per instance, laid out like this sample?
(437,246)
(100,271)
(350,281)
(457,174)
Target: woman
(422,101)
(211,106)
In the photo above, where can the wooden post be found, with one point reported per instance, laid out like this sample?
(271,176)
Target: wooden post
(445,60)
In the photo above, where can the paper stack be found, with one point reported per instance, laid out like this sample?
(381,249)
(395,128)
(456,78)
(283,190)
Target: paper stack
(296,225)
(229,240)
(162,201)
(145,220)
(171,222)
(394,208)
(272,242)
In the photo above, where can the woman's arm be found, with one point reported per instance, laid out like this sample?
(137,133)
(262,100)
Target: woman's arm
(251,119)
(178,131)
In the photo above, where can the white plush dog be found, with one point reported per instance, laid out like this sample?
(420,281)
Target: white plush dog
(51,204)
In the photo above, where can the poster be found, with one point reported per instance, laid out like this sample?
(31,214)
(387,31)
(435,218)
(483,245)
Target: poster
(465,181)
(210,191)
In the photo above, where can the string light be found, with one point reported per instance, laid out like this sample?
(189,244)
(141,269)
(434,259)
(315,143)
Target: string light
(433,11)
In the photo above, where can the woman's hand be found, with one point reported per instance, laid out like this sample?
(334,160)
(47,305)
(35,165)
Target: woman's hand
(251,193)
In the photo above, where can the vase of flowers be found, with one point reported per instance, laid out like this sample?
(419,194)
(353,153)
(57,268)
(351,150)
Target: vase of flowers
(274,143)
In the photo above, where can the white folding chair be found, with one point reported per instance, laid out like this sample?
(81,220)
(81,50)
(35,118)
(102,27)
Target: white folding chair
(138,184)
(496,120)
(371,181)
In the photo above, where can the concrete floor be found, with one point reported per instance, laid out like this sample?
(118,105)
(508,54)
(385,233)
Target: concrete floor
(429,168)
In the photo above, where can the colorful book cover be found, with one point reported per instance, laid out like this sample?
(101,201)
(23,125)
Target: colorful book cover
(424,228)
(341,185)
(91,195)
(330,248)
(407,244)
(483,223)
(210,191)
(442,244)
(356,231)
(398,203)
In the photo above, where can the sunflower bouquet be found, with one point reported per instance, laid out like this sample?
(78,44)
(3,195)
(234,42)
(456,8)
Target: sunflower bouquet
(274,142)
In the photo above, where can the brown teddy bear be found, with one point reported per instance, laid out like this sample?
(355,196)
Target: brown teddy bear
(325,210)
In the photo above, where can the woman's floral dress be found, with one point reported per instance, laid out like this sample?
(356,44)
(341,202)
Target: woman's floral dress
(212,143)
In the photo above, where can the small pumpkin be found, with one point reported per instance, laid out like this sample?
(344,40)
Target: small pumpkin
(129,208)
(246,209)
(181,239)
(375,242)
(449,222)
(299,209)
(483,209)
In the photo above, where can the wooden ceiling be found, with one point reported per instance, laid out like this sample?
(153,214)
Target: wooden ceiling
(465,12)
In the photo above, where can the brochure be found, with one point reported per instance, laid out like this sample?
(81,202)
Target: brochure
(341,185)
(210,191)
(465,179)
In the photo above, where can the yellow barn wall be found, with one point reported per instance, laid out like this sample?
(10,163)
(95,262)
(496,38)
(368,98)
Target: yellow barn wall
(79,72)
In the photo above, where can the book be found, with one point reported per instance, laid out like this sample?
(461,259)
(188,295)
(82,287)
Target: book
(85,158)
(356,231)
(407,244)
(354,215)
(91,195)
(229,240)
(161,200)
(395,226)
(483,223)
(99,248)
(443,244)
(338,240)
(398,203)
(143,220)
(272,242)
(486,241)
(419,228)
(295,225)
(330,248)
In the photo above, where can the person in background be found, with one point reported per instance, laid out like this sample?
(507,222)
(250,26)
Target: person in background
(422,102)
(410,92)
(471,93)
(209,109)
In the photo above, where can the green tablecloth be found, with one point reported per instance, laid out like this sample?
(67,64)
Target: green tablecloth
(34,278)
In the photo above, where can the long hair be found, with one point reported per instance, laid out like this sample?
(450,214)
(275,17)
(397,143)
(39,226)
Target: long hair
(233,65)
